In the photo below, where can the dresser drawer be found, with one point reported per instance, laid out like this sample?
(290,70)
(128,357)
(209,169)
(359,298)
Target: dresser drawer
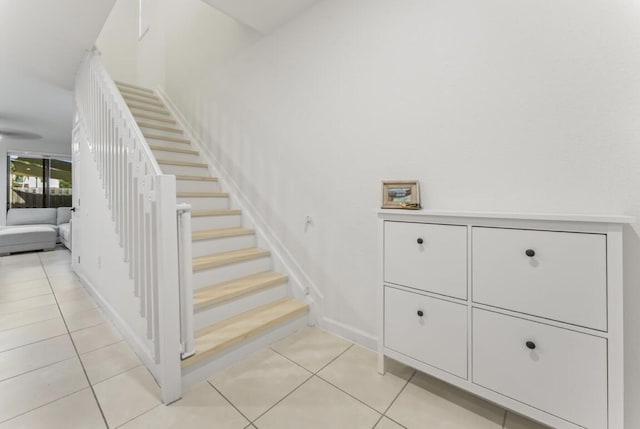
(564,277)
(564,375)
(427,257)
(427,329)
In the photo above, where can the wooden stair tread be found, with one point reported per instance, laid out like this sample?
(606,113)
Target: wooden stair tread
(202,194)
(137,99)
(166,138)
(226,258)
(135,87)
(196,178)
(172,149)
(182,163)
(226,291)
(159,127)
(219,212)
(165,118)
(128,91)
(208,234)
(133,105)
(234,330)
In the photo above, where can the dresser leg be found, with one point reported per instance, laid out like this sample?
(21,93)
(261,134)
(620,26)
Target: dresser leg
(381,369)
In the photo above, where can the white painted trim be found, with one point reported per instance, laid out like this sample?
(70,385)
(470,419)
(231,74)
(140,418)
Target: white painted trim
(297,276)
(139,347)
(350,333)
(615,296)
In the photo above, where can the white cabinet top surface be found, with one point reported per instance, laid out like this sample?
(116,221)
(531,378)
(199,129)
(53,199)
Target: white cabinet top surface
(563,217)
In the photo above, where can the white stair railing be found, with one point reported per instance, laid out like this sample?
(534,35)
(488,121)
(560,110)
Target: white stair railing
(147,220)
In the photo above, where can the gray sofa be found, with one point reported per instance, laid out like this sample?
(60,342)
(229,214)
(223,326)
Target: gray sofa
(35,229)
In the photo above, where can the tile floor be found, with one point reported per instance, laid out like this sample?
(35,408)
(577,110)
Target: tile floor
(63,365)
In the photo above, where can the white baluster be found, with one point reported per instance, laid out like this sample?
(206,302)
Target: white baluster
(142,206)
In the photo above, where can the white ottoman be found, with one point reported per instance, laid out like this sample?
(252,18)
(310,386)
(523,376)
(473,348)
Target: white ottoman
(25,238)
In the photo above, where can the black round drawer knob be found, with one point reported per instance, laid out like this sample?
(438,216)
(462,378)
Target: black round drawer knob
(420,313)
(420,241)
(530,345)
(530,253)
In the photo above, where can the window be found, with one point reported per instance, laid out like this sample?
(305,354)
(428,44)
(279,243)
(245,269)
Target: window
(36,182)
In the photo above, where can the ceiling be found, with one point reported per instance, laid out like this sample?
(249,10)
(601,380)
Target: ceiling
(41,45)
(262,15)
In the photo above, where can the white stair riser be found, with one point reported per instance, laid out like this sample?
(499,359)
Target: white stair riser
(229,272)
(130,98)
(152,121)
(217,313)
(143,102)
(154,131)
(176,156)
(133,98)
(184,170)
(219,245)
(206,203)
(169,144)
(127,91)
(148,110)
(214,222)
(197,186)
(201,371)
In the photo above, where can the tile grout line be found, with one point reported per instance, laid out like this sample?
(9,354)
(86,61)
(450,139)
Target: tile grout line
(384,413)
(396,398)
(230,403)
(138,415)
(282,399)
(40,367)
(313,374)
(10,300)
(323,367)
(316,374)
(95,397)
(120,373)
(35,342)
(98,348)
(43,405)
(87,327)
(27,309)
(28,324)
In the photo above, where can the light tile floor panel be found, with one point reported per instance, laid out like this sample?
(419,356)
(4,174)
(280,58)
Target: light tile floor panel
(63,365)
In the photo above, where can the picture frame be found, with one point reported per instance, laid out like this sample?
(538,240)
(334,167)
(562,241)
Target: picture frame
(401,194)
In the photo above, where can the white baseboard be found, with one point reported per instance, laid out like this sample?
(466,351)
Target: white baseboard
(302,285)
(138,346)
(350,333)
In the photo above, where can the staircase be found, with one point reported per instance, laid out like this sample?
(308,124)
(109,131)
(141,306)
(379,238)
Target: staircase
(240,303)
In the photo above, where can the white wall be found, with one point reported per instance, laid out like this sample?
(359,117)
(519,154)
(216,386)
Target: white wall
(99,258)
(504,105)
(127,57)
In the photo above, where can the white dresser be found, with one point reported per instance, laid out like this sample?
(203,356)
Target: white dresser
(524,310)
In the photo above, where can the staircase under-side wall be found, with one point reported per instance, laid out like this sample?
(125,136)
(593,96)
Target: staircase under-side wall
(240,303)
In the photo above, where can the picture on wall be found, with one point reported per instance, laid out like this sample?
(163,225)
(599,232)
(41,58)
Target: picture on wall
(401,194)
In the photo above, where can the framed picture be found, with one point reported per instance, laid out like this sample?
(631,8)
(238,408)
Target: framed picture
(401,194)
